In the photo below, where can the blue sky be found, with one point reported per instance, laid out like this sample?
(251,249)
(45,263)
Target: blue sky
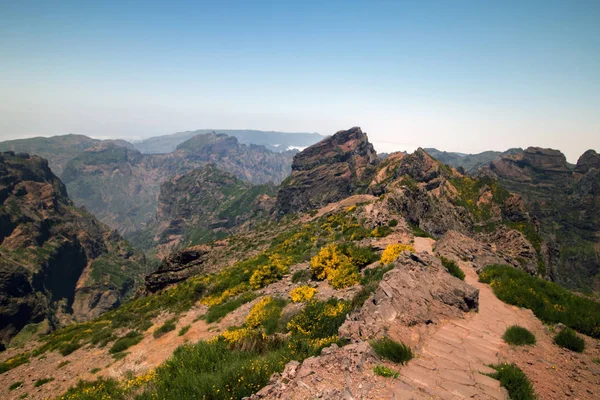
(457,75)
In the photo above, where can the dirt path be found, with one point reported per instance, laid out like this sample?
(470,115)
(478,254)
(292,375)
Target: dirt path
(453,361)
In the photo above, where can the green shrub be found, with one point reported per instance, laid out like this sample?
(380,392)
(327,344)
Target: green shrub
(384,371)
(514,381)
(43,381)
(548,301)
(63,364)
(381,231)
(14,362)
(214,371)
(184,330)
(216,312)
(68,348)
(319,319)
(100,389)
(168,326)
(418,232)
(453,268)
(518,336)
(15,385)
(302,275)
(95,370)
(132,338)
(391,350)
(393,223)
(568,339)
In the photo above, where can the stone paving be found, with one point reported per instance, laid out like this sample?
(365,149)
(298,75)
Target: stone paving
(453,361)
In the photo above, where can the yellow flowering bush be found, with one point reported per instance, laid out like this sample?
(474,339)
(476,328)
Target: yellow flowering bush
(302,294)
(393,251)
(335,266)
(319,319)
(262,311)
(273,271)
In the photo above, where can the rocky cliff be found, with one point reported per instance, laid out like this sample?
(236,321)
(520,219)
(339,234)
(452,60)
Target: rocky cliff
(204,205)
(335,168)
(57,262)
(121,186)
(565,201)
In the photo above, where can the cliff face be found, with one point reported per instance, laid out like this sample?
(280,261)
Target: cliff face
(57,262)
(566,202)
(121,186)
(333,169)
(204,205)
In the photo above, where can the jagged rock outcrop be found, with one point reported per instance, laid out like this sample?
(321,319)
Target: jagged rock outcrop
(121,186)
(55,259)
(503,246)
(588,160)
(565,202)
(419,290)
(203,205)
(331,170)
(179,266)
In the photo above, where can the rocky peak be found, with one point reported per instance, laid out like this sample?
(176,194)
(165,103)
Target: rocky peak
(333,169)
(588,160)
(543,159)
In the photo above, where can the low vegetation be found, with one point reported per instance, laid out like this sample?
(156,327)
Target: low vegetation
(548,301)
(15,385)
(43,381)
(518,336)
(218,311)
(130,339)
(514,380)
(167,326)
(568,339)
(184,330)
(384,371)
(392,350)
(453,268)
(392,252)
(302,294)
(340,264)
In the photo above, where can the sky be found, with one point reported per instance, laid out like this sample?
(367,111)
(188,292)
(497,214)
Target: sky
(457,75)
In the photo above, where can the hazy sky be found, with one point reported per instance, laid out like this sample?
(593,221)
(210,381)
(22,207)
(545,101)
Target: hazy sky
(456,75)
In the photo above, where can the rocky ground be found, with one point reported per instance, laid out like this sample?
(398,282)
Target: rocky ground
(451,360)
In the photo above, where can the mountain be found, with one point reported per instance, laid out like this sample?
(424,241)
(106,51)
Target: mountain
(565,200)
(470,163)
(121,186)
(334,168)
(57,262)
(296,306)
(58,150)
(275,141)
(203,205)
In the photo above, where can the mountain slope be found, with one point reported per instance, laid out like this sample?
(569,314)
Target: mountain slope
(334,168)
(275,141)
(203,205)
(566,202)
(470,163)
(56,260)
(121,186)
(58,150)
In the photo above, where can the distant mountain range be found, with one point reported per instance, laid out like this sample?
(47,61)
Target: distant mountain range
(274,141)
(470,163)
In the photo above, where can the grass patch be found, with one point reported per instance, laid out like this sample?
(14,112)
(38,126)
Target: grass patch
(120,356)
(95,370)
(518,336)
(549,302)
(14,362)
(568,339)
(62,364)
(168,326)
(453,268)
(392,350)
(514,380)
(43,381)
(184,330)
(218,311)
(132,338)
(15,385)
(384,371)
